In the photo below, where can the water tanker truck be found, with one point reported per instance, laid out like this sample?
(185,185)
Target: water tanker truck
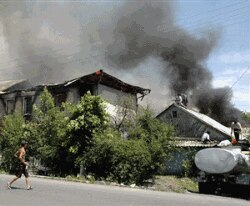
(224,170)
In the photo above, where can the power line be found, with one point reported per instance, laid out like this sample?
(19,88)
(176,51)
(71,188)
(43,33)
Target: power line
(216,21)
(212,10)
(239,78)
(223,14)
(193,25)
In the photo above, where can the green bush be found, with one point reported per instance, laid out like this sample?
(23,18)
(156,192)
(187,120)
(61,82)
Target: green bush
(136,158)
(158,136)
(188,166)
(118,159)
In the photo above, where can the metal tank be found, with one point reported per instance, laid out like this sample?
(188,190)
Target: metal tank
(224,170)
(222,160)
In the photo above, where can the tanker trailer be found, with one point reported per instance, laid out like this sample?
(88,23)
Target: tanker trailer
(223,170)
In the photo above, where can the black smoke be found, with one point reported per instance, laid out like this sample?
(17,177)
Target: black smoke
(149,29)
(56,41)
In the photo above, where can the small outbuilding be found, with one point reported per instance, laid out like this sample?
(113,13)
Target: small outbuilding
(192,124)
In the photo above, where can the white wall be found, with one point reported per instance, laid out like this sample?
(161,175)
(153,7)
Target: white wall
(115,96)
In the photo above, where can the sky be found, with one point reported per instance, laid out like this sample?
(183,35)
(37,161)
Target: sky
(230,60)
(38,36)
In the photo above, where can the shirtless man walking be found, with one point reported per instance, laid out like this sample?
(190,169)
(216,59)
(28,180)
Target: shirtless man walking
(22,167)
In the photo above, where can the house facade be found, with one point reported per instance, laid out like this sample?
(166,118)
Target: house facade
(18,97)
(192,124)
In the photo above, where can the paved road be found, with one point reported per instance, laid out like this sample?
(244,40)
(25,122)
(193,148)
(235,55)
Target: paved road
(52,192)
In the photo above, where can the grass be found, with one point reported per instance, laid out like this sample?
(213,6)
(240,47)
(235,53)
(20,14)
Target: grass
(175,184)
(2,171)
(160,183)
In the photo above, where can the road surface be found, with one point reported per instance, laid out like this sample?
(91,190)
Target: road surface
(52,192)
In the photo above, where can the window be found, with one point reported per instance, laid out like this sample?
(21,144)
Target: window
(84,88)
(60,98)
(27,105)
(174,114)
(10,106)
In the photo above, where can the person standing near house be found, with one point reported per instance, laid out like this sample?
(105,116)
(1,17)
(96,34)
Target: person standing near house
(22,166)
(179,99)
(205,137)
(236,129)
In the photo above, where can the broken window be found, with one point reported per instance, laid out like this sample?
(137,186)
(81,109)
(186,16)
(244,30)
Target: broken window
(174,114)
(84,88)
(60,98)
(27,105)
(10,106)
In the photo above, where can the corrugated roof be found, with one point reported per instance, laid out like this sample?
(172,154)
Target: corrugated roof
(195,143)
(209,121)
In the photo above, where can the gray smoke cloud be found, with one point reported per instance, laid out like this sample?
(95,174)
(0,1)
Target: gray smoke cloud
(47,41)
(137,35)
(137,41)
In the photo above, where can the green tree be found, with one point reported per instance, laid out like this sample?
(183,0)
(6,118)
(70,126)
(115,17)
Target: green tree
(48,130)
(12,133)
(86,118)
(61,135)
(158,136)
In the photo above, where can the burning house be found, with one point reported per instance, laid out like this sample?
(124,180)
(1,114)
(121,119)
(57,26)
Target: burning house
(17,96)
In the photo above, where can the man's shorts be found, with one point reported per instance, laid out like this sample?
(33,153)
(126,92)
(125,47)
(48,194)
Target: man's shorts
(22,170)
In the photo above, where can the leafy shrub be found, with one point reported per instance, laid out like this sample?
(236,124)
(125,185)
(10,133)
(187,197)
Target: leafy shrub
(158,136)
(188,166)
(118,159)
(133,159)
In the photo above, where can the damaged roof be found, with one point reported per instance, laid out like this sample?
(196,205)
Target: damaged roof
(100,77)
(108,80)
